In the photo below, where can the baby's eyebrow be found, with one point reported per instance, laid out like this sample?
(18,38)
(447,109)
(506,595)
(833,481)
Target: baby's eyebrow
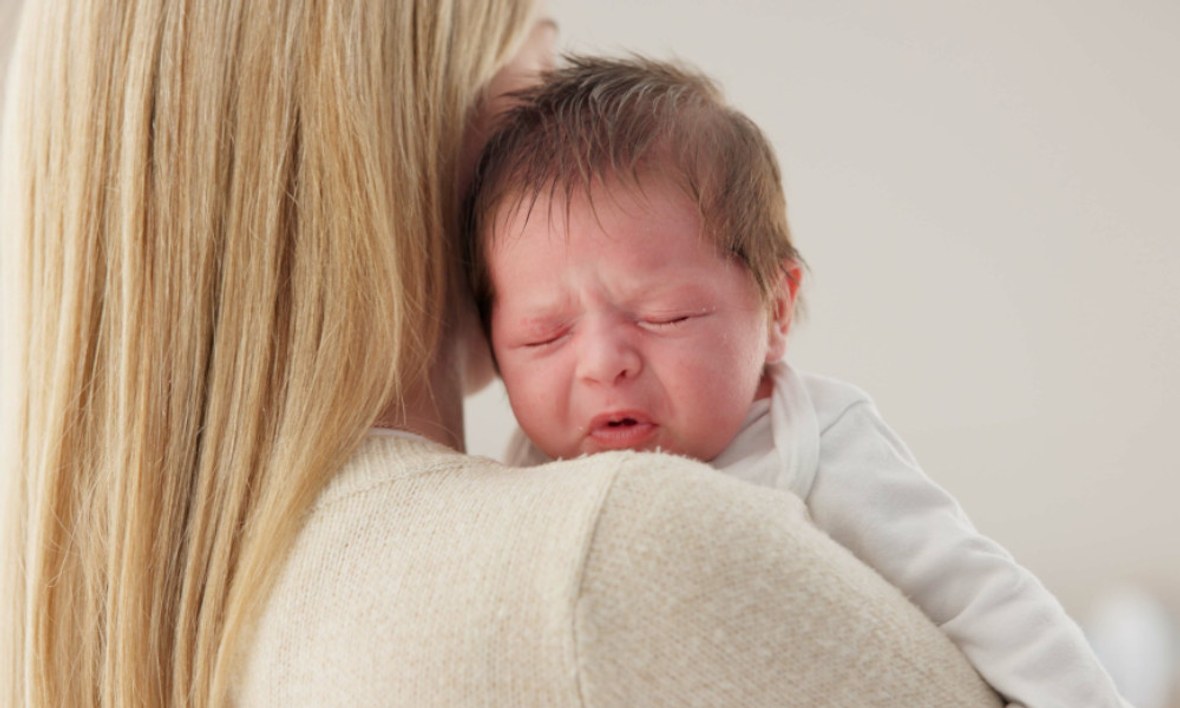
(544,321)
(664,291)
(537,313)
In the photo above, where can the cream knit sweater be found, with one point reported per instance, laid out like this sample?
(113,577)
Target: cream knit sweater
(424,577)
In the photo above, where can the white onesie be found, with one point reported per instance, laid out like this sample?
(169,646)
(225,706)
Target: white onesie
(825,441)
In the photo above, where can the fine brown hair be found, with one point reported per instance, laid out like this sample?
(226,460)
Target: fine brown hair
(634,119)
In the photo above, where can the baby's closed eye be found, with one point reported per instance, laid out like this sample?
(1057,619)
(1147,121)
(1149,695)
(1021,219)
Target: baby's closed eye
(543,337)
(668,322)
(665,319)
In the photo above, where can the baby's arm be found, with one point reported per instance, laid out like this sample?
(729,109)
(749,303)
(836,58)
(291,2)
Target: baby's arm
(872,498)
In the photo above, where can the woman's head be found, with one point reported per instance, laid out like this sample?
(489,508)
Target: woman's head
(233,223)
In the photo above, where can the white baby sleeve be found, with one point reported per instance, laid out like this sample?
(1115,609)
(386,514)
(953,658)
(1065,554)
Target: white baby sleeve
(871,497)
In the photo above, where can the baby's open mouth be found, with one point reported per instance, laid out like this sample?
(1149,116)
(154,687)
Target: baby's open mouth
(622,430)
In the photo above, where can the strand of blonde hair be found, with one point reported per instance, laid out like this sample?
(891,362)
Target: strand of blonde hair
(231,248)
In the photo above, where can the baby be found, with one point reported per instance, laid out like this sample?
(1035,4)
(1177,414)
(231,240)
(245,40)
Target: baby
(634,271)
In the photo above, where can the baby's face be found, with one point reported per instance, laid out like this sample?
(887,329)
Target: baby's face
(621,327)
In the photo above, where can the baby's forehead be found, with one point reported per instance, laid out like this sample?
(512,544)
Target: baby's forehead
(555,203)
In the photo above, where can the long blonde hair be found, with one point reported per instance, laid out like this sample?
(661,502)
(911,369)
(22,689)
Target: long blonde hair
(228,230)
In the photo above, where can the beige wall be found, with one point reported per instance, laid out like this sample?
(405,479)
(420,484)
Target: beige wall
(987,194)
(9,9)
(8,12)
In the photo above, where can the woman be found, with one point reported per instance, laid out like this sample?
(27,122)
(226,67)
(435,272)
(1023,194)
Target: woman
(232,257)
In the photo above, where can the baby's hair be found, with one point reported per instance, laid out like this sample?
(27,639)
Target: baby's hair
(600,119)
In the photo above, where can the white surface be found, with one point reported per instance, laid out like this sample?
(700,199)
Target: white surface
(988,196)
(1135,638)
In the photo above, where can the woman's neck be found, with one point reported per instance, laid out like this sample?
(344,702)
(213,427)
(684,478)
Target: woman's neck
(433,407)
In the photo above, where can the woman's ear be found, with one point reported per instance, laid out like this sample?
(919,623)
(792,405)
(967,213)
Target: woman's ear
(782,309)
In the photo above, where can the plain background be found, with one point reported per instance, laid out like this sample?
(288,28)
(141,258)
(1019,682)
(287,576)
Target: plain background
(986,194)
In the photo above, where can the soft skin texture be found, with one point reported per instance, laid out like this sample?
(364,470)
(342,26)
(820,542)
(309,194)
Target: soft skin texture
(424,577)
(616,324)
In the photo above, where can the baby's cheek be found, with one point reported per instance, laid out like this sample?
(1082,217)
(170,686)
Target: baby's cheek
(522,389)
(719,426)
(534,397)
(716,406)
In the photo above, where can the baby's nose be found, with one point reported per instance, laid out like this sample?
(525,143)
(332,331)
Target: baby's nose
(608,355)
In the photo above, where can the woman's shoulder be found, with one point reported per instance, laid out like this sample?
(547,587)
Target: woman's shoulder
(706,590)
(390,472)
(424,576)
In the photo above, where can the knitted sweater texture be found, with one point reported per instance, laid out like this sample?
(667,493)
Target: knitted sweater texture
(424,577)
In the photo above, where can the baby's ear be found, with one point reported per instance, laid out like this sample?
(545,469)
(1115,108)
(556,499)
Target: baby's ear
(782,309)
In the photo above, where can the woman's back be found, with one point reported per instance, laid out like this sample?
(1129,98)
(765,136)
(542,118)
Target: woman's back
(425,577)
